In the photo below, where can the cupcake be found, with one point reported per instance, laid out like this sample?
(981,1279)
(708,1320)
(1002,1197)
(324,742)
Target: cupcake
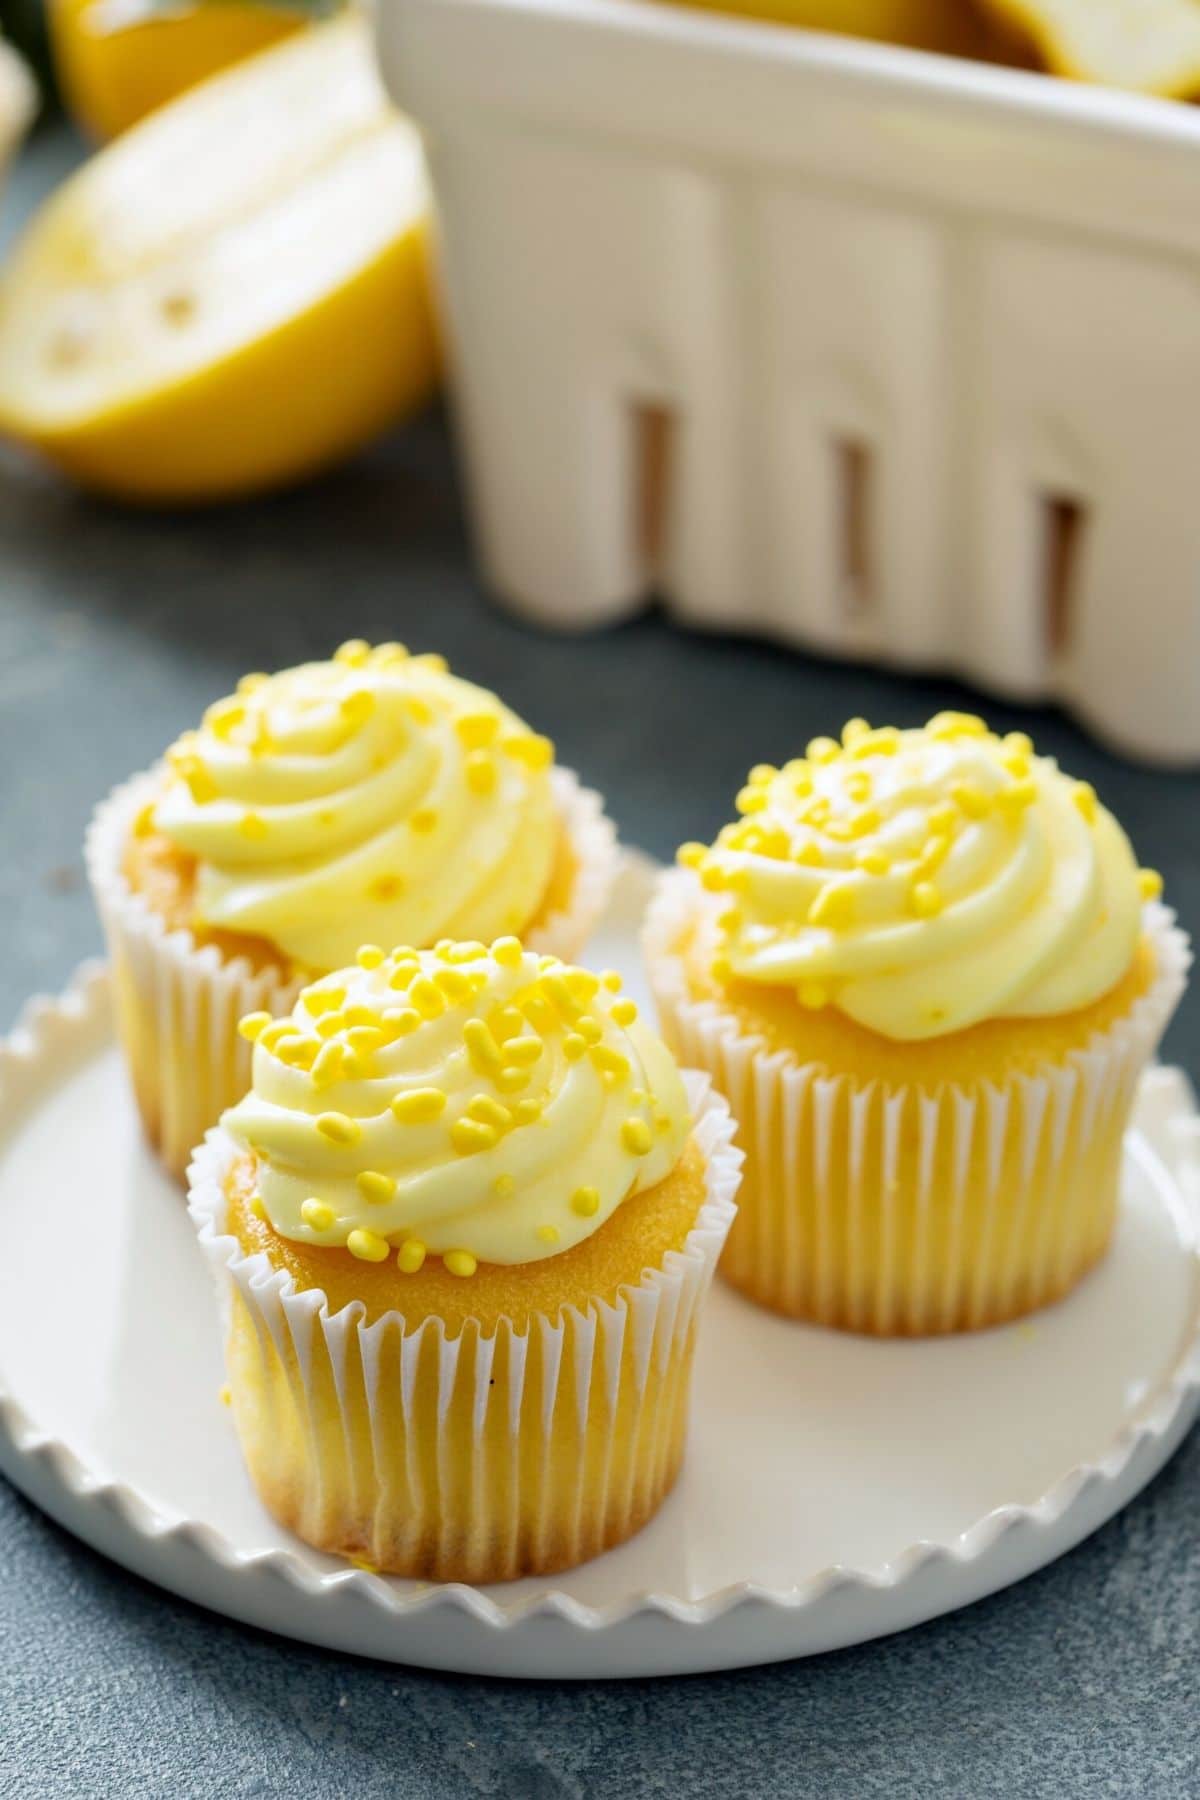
(926,972)
(375,797)
(463,1222)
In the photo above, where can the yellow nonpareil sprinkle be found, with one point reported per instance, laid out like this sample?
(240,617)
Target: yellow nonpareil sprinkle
(460,1263)
(534,751)
(504,1187)
(609,1061)
(1084,796)
(353,653)
(1018,743)
(480,772)
(713,878)
(488,1111)
(338,1128)
(751,800)
(691,855)
(424,820)
(833,907)
(376,1189)
(813,995)
(574,1046)
(427,997)
(253,826)
(477,730)
(623,1012)
(972,800)
(252,1025)
(317,1215)
(368,1246)
(1150,884)
(823,750)
(586,1202)
(411,1255)
(470,1136)
(854,730)
(925,900)
(548,1234)
(1016,765)
(610,980)
(507,952)
(369,956)
(418,1106)
(636,1137)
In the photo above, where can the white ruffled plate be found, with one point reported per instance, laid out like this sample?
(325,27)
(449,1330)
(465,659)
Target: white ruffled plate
(835,1489)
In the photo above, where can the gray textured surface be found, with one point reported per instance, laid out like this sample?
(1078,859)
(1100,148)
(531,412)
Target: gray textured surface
(115,630)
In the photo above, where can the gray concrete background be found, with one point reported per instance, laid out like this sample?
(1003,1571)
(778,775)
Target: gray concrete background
(115,630)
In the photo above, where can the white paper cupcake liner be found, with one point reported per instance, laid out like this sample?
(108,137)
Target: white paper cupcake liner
(478,1457)
(895,1208)
(178,1003)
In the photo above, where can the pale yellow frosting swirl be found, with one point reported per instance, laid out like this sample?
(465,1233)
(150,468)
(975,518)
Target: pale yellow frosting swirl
(374,796)
(921,881)
(484,1105)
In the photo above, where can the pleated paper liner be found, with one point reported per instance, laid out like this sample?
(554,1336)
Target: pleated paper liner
(903,1210)
(476,1458)
(178,1003)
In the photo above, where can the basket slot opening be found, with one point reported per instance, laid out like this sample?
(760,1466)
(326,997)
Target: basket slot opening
(1063,520)
(653,473)
(854,476)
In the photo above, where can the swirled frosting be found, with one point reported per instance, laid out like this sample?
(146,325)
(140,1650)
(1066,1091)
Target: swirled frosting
(373,796)
(921,881)
(484,1105)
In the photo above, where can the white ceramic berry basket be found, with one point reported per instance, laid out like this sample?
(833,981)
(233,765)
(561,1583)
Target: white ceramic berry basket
(888,354)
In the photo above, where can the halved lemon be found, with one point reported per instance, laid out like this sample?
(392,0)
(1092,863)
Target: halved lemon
(117,60)
(235,292)
(943,25)
(1150,45)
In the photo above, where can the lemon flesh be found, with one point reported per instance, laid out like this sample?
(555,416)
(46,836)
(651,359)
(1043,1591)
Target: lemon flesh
(1149,45)
(235,292)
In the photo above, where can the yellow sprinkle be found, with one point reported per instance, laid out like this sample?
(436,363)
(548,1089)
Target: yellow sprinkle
(854,730)
(328,1065)
(534,751)
(402,978)
(353,653)
(951,725)
(585,1201)
(623,1012)
(252,1025)
(526,1111)
(589,1029)
(297,1051)
(609,1061)
(320,1000)
(557,990)
(469,1136)
(1150,884)
(582,984)
(419,711)
(508,952)
(925,899)
(338,1128)
(385,887)
(418,1106)
(256,1206)
(431,660)
(386,656)
(691,855)
(549,1234)
(574,1046)
(269,1037)
(942,818)
(369,956)
(411,1255)
(504,1186)
(833,906)
(480,772)
(357,708)
(863,822)
(1084,796)
(317,1215)
(751,800)
(823,750)
(424,819)
(636,1137)
(223,717)
(475,730)
(936,850)
(401,1021)
(482,1047)
(713,878)
(872,862)
(375,1188)
(427,997)
(368,1246)
(460,1262)
(453,984)
(143,824)
(883,742)
(817,811)
(1016,765)
(813,994)
(523,1051)
(611,980)
(511,1080)
(329,1024)
(490,1112)
(1018,794)
(807,855)
(253,826)
(972,800)
(250,684)
(859,785)
(1018,743)
(359,1015)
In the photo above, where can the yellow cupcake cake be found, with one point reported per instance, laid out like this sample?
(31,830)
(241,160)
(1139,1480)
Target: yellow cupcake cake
(926,971)
(375,797)
(464,1219)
